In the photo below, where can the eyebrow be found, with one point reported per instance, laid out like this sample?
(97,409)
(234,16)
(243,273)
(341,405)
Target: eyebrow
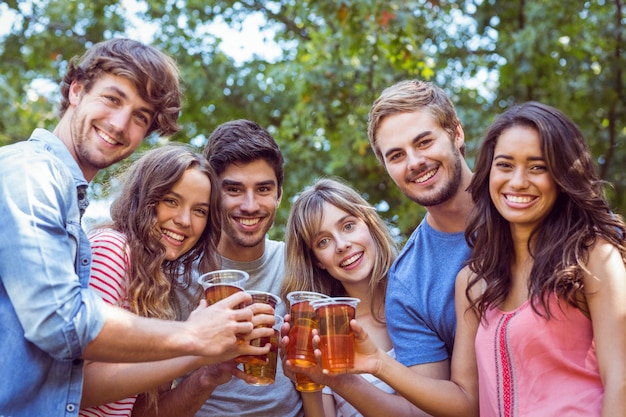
(509,157)
(415,139)
(180,197)
(226,183)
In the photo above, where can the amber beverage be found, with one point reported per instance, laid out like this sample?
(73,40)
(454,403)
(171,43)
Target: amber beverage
(265,373)
(306,384)
(265,298)
(300,349)
(336,335)
(217,292)
(303,321)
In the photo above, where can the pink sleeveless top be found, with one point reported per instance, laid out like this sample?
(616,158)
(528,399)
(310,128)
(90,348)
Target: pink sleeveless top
(528,366)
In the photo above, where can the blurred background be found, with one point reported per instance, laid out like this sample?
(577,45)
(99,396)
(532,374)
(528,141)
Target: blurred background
(308,71)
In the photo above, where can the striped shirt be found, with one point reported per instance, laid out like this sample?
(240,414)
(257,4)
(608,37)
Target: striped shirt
(110,261)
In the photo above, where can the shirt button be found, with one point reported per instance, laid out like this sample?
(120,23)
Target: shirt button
(85,261)
(70,408)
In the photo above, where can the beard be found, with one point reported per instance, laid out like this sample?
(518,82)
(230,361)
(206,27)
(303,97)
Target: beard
(243,239)
(87,150)
(448,190)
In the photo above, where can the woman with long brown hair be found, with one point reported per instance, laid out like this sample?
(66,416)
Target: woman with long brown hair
(165,225)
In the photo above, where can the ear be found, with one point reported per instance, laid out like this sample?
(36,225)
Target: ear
(280,196)
(75,92)
(459,137)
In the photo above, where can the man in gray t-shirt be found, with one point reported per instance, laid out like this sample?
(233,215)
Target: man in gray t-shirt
(249,168)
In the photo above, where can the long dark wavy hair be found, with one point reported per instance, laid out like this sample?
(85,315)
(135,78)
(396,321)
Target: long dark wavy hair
(302,272)
(560,244)
(133,213)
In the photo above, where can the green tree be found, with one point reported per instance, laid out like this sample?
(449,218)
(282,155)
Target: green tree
(568,54)
(337,57)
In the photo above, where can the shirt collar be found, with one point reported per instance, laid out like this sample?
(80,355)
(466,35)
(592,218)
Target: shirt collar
(60,150)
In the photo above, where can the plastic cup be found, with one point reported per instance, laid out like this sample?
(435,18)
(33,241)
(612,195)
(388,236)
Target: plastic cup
(336,335)
(265,298)
(222,283)
(300,349)
(265,373)
(306,384)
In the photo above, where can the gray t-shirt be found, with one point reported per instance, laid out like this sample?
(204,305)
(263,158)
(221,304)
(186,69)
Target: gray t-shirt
(236,398)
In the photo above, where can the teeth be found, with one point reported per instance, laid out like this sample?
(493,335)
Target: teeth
(107,138)
(249,222)
(173,235)
(352,259)
(426,176)
(519,199)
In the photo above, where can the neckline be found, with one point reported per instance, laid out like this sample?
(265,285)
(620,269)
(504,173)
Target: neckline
(513,311)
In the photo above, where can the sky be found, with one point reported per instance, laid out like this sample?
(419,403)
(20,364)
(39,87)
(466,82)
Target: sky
(241,45)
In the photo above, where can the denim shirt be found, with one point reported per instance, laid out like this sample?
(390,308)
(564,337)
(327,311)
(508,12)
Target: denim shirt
(47,313)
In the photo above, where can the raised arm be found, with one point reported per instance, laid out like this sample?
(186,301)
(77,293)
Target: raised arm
(107,382)
(438,397)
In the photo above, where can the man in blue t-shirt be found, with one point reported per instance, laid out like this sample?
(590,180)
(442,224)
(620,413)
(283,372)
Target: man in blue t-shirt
(416,134)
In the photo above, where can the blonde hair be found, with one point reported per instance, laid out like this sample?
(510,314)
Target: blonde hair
(302,272)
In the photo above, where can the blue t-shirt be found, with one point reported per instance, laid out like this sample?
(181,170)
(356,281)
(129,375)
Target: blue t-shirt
(47,313)
(420,295)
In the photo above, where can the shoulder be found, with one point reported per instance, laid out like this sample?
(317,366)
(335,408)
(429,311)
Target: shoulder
(274,247)
(462,281)
(32,159)
(605,263)
(602,249)
(104,235)
(108,242)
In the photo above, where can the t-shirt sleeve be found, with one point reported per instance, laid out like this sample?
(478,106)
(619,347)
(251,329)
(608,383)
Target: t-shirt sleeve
(110,262)
(414,341)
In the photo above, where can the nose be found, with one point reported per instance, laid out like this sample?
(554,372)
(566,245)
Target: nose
(342,244)
(183,217)
(414,160)
(519,179)
(120,118)
(249,203)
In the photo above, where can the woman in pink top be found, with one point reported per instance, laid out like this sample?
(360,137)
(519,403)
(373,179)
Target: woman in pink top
(548,261)
(541,310)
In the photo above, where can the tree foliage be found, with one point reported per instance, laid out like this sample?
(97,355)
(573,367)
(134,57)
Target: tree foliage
(337,56)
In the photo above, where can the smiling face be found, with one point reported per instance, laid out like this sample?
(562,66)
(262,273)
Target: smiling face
(420,157)
(106,123)
(520,186)
(182,214)
(250,197)
(344,246)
